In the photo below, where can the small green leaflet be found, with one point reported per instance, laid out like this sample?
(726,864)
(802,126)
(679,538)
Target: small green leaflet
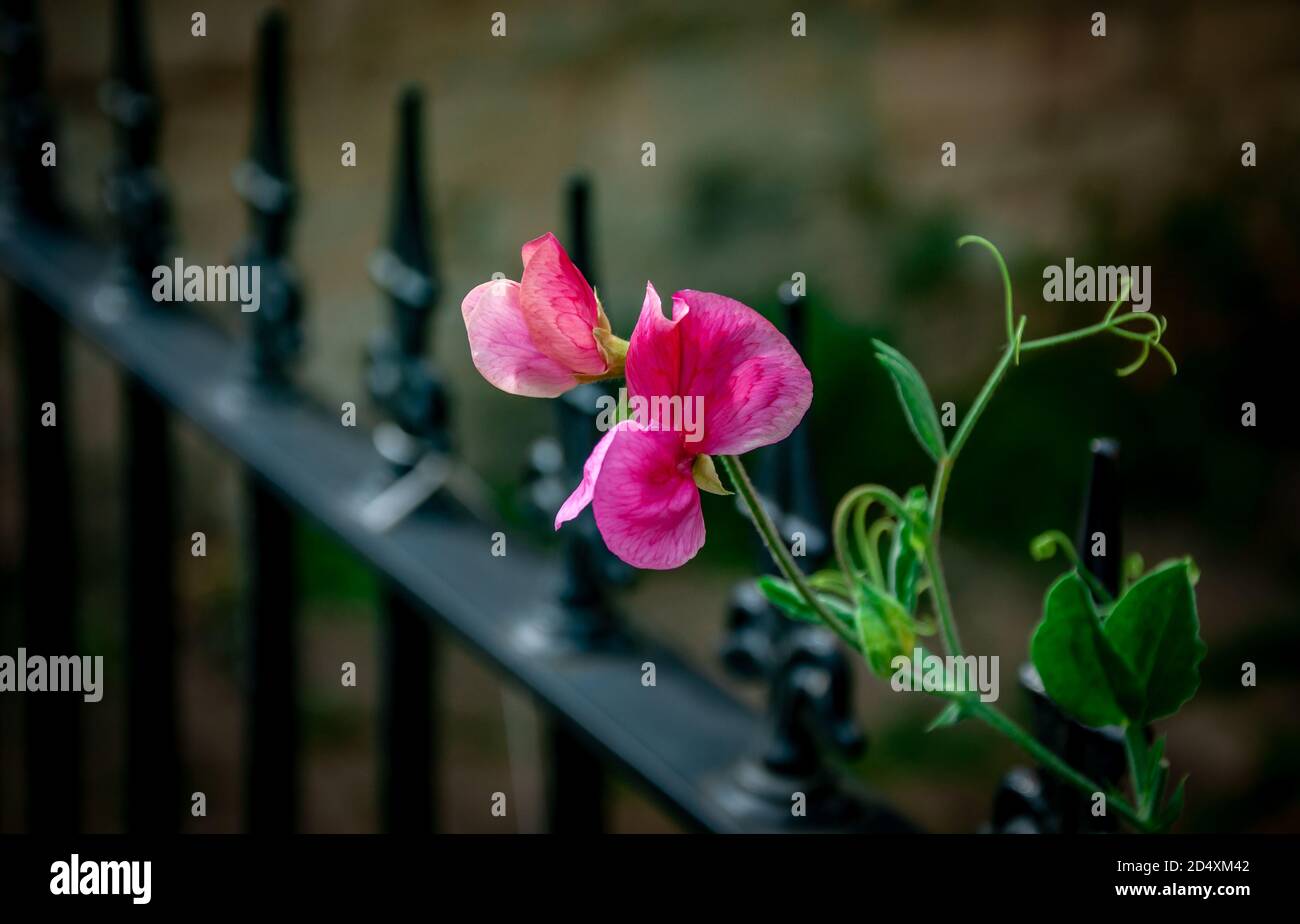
(913,394)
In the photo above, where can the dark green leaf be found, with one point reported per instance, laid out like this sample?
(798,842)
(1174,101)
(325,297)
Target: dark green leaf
(1079,669)
(1155,630)
(913,394)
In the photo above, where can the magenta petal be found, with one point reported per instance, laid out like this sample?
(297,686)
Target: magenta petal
(502,350)
(654,353)
(559,307)
(530,247)
(754,387)
(646,503)
(581,495)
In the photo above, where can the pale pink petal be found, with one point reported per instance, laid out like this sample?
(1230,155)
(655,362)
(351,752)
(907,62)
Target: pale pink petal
(581,495)
(502,350)
(753,386)
(646,503)
(559,307)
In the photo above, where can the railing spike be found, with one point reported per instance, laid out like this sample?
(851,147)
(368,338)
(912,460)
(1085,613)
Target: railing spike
(134,193)
(270,130)
(1102,514)
(400,380)
(789,478)
(578,200)
(263,181)
(28,117)
(410,234)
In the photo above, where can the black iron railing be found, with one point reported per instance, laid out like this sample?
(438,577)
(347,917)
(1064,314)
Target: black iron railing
(547,623)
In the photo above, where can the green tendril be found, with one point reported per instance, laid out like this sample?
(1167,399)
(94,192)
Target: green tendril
(863,495)
(1006,280)
(1045,545)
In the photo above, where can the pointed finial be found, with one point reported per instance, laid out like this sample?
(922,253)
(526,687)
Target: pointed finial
(263,179)
(400,381)
(1102,514)
(134,191)
(130,98)
(264,183)
(578,196)
(404,269)
(28,118)
(788,480)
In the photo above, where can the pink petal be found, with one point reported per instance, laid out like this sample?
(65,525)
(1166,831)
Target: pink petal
(754,386)
(654,354)
(559,307)
(749,382)
(581,495)
(502,350)
(646,503)
(530,247)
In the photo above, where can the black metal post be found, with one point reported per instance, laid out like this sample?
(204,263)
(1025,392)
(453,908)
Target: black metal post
(407,717)
(1102,507)
(136,198)
(1036,801)
(49,568)
(263,182)
(53,749)
(574,785)
(575,779)
(154,800)
(405,385)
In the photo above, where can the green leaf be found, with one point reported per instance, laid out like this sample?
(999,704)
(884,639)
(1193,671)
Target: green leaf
(901,625)
(913,394)
(885,629)
(1154,628)
(787,599)
(1080,670)
(1173,808)
(903,569)
(878,643)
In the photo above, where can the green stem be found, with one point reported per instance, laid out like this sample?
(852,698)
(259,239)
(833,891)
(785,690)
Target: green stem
(1000,722)
(1135,744)
(943,603)
(1068,337)
(776,547)
(939,492)
(986,393)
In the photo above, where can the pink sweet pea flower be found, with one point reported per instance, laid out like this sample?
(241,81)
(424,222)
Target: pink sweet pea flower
(541,336)
(644,477)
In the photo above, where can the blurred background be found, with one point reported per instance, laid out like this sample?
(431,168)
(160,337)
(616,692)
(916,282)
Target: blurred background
(775,155)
